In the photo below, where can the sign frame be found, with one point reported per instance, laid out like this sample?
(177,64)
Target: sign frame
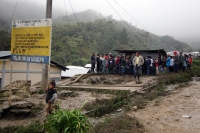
(31,40)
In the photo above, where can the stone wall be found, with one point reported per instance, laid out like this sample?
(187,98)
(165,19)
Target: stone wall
(23,85)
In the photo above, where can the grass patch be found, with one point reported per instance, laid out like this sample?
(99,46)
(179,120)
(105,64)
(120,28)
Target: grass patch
(104,106)
(35,127)
(73,94)
(121,124)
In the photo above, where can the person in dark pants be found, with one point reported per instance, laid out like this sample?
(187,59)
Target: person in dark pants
(154,67)
(98,63)
(128,64)
(138,61)
(148,63)
(111,65)
(189,61)
(176,63)
(117,64)
(181,58)
(92,62)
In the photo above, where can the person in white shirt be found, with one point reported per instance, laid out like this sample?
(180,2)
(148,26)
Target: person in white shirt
(151,67)
(171,68)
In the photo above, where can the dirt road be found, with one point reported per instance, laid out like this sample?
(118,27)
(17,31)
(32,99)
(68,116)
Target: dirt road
(165,115)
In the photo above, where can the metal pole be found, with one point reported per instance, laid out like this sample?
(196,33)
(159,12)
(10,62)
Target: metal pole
(10,90)
(46,67)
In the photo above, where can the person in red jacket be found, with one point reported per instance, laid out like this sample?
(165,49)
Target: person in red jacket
(117,64)
(189,61)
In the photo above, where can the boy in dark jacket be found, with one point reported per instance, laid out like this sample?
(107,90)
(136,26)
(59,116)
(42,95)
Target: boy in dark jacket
(50,97)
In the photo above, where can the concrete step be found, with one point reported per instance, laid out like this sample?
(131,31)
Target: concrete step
(20,111)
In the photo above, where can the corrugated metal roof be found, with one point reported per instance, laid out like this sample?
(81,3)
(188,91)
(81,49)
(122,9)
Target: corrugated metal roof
(4,53)
(134,51)
(74,70)
(7,54)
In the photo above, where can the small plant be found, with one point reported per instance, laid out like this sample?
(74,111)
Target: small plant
(41,91)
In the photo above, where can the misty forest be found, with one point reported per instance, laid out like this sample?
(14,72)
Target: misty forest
(73,40)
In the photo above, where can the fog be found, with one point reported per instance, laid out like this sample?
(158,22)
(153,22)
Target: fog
(178,18)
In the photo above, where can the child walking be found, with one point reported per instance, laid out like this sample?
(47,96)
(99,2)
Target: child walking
(50,97)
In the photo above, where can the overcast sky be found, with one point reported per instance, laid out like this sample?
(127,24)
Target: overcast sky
(178,18)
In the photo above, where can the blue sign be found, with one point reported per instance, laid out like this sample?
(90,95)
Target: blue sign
(32,59)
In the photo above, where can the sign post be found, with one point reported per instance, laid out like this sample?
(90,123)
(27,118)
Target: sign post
(46,67)
(31,42)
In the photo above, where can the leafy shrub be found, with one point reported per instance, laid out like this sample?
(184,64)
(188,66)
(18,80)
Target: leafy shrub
(66,121)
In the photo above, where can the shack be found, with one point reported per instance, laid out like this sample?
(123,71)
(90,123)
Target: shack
(144,53)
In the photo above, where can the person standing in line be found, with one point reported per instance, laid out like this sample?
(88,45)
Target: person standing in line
(154,67)
(123,64)
(111,64)
(160,62)
(157,71)
(103,63)
(176,62)
(181,62)
(92,62)
(168,62)
(148,63)
(106,63)
(144,67)
(171,64)
(128,63)
(138,61)
(98,63)
(117,64)
(190,61)
(185,60)
(151,66)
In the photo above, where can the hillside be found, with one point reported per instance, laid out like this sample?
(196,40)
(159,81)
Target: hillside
(195,46)
(72,44)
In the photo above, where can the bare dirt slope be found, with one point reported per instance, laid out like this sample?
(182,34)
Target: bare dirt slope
(165,115)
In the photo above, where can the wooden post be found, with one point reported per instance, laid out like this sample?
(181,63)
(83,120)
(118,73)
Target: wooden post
(10,90)
(46,67)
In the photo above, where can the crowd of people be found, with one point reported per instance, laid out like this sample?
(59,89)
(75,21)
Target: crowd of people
(138,65)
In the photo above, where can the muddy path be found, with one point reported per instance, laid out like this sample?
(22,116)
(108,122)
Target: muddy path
(165,114)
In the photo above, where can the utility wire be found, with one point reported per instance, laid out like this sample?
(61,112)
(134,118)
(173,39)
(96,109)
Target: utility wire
(126,24)
(74,14)
(130,15)
(135,19)
(4,36)
(67,17)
